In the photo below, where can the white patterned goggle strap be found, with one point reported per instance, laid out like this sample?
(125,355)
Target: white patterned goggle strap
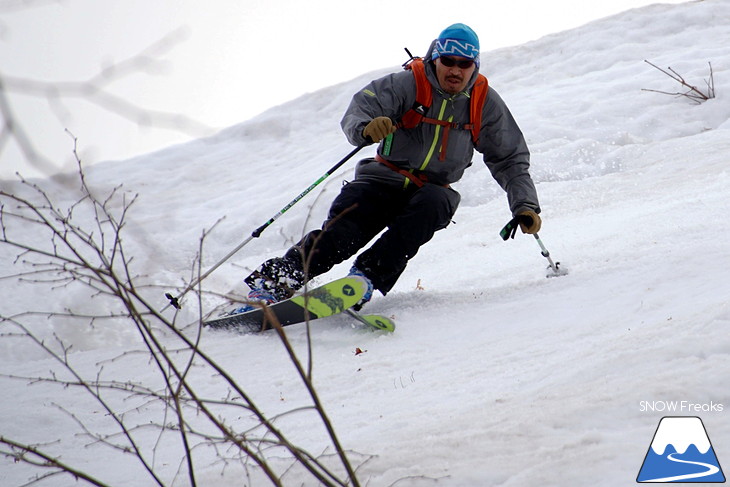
(455,47)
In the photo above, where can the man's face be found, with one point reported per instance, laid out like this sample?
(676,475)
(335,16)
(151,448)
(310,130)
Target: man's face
(451,73)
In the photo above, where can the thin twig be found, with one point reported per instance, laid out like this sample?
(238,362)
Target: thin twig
(59,249)
(693,93)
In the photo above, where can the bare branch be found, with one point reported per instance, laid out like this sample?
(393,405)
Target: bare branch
(82,245)
(693,93)
(34,456)
(95,89)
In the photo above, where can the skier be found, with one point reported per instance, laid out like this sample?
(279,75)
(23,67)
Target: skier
(406,187)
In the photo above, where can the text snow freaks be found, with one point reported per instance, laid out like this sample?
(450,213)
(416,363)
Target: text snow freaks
(680,407)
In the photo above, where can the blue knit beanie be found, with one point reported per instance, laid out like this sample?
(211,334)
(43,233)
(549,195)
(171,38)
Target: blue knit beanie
(457,40)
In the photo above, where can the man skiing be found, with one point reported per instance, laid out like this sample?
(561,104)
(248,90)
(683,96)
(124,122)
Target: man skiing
(405,190)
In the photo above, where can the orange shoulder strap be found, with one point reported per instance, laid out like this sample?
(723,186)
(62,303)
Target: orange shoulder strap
(423,87)
(424,96)
(478,97)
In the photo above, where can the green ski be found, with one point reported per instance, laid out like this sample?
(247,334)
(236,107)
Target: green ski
(327,300)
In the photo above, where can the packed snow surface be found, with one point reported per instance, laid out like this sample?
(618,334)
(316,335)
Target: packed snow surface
(495,376)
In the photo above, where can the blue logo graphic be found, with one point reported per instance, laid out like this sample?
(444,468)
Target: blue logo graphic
(681,452)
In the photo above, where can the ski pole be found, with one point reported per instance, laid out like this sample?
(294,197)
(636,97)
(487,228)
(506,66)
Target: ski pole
(175,300)
(509,231)
(554,266)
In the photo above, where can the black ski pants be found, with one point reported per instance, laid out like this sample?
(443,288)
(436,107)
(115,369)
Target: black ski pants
(364,208)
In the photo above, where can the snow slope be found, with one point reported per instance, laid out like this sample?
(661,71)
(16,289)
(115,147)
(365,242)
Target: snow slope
(495,376)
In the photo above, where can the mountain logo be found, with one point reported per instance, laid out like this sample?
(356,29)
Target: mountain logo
(680,452)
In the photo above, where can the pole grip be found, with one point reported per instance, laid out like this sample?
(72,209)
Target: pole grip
(257,233)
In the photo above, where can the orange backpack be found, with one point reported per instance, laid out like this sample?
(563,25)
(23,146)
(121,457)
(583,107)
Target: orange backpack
(424,99)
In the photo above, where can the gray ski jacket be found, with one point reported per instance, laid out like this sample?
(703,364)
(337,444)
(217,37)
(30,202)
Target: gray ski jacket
(500,140)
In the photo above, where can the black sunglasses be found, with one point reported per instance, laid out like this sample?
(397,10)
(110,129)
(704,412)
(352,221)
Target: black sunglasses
(450,62)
